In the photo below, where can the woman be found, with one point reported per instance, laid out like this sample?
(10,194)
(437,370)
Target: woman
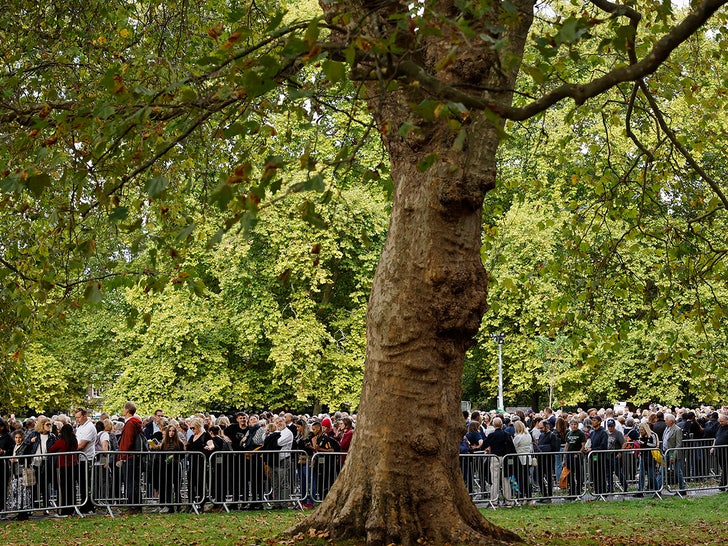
(196,473)
(6,448)
(647,441)
(19,497)
(523,441)
(575,442)
(560,429)
(102,465)
(170,474)
(219,465)
(302,442)
(67,468)
(40,441)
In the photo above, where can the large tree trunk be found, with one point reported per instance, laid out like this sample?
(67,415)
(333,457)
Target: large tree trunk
(402,480)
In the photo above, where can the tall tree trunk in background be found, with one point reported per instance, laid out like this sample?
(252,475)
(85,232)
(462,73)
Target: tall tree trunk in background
(402,480)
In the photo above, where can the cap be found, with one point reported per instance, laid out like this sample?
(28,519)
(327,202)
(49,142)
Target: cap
(326,422)
(610,422)
(596,417)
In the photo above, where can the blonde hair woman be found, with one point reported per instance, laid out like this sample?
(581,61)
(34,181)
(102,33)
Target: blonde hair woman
(196,472)
(648,441)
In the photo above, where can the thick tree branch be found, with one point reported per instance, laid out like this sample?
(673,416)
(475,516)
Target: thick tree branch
(415,74)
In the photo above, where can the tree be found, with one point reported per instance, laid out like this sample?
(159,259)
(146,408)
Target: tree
(439,78)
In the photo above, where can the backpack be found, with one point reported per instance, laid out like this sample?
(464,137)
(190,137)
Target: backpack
(113,442)
(140,442)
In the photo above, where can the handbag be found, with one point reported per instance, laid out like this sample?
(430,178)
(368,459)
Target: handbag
(28,475)
(657,456)
(564,479)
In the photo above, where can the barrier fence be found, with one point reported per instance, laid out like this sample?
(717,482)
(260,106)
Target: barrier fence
(167,481)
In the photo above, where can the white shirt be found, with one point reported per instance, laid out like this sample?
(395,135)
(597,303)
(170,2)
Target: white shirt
(285,442)
(87,432)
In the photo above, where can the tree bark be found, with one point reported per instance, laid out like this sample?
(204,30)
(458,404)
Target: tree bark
(402,481)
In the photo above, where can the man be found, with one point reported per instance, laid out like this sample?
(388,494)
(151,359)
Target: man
(282,478)
(720,449)
(153,426)
(548,442)
(672,442)
(575,442)
(86,436)
(548,415)
(131,464)
(658,427)
(288,418)
(711,425)
(598,461)
(615,441)
(236,432)
(252,440)
(499,443)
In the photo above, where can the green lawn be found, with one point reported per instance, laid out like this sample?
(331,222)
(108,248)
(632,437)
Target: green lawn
(668,522)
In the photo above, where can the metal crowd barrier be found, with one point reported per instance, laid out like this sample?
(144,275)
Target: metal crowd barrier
(323,470)
(257,479)
(167,480)
(691,468)
(48,483)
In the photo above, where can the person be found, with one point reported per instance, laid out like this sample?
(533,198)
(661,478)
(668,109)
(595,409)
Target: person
(131,463)
(6,448)
(672,443)
(598,461)
(20,494)
(282,469)
(326,467)
(86,436)
(561,429)
(39,441)
(659,425)
(302,442)
(615,441)
(196,471)
(647,441)
(522,441)
(153,429)
(711,425)
(219,464)
(548,442)
(253,465)
(575,442)
(236,433)
(170,471)
(499,443)
(101,464)
(67,467)
(347,434)
(720,449)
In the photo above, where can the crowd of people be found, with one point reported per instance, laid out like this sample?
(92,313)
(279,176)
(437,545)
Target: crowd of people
(103,450)
(557,446)
(100,459)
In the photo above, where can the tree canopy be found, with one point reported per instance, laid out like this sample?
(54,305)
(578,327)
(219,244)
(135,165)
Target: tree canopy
(214,172)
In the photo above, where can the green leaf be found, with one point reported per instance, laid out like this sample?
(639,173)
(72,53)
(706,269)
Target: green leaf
(37,183)
(119,214)
(335,71)
(426,163)
(156,186)
(93,293)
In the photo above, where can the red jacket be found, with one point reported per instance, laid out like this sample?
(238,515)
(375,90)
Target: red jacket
(60,446)
(131,430)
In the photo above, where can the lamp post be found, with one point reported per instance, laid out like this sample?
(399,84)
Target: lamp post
(499,339)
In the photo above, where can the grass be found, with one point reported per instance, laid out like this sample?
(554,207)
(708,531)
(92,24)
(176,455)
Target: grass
(668,522)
